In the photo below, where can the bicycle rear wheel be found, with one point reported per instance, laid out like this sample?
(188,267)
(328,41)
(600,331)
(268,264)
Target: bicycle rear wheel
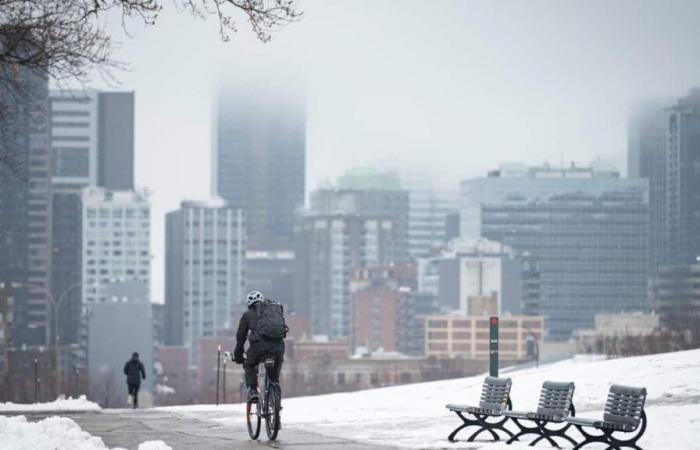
(272,416)
(252,417)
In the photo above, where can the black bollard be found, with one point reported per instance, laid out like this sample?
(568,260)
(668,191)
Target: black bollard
(493,347)
(223,387)
(36,380)
(218,368)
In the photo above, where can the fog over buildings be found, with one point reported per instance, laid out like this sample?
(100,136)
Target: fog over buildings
(443,90)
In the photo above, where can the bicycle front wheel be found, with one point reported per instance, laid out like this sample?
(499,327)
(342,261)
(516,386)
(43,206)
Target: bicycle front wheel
(272,416)
(252,417)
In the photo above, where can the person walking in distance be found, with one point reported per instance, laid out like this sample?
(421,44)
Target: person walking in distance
(263,326)
(135,372)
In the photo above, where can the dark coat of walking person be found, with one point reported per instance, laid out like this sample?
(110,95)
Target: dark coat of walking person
(135,372)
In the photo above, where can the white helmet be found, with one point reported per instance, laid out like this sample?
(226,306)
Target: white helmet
(253,297)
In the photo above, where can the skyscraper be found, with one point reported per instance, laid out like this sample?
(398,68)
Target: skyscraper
(683,181)
(204,274)
(92,145)
(92,138)
(258,163)
(585,228)
(25,208)
(664,147)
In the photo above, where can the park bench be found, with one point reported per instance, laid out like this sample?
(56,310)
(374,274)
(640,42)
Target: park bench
(495,399)
(624,414)
(555,405)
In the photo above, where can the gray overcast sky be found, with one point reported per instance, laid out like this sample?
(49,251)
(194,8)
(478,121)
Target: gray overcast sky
(447,87)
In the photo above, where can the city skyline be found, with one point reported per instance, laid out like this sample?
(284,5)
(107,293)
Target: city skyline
(402,93)
(383,193)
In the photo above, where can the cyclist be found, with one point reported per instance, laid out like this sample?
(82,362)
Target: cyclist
(262,341)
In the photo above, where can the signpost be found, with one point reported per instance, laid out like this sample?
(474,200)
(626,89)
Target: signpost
(493,346)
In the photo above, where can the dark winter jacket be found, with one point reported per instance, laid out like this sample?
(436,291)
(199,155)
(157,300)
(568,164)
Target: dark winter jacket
(247,325)
(134,371)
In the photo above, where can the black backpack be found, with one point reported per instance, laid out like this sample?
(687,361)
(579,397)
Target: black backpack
(270,323)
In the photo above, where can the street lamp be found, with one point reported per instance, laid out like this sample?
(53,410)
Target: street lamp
(55,309)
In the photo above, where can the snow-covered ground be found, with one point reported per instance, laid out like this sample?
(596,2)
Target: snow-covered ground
(53,433)
(415,416)
(62,404)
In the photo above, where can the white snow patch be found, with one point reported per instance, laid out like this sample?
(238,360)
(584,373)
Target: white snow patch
(164,389)
(54,433)
(62,404)
(154,445)
(414,416)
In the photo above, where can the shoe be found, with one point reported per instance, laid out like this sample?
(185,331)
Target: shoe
(252,393)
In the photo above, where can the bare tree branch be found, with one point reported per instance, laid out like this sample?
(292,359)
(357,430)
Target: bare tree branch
(62,40)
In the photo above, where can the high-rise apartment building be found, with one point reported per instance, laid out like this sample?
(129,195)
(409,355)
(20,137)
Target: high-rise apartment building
(329,248)
(393,203)
(92,144)
(25,208)
(258,163)
(205,266)
(585,229)
(115,241)
(378,303)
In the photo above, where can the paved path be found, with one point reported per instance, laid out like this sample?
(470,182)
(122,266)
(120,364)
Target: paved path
(126,428)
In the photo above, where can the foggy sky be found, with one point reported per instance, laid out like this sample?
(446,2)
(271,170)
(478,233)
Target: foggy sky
(448,87)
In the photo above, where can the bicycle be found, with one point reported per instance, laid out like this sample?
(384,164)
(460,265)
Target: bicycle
(269,408)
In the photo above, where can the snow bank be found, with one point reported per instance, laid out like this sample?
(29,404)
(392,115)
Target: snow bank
(55,433)
(62,404)
(52,433)
(415,415)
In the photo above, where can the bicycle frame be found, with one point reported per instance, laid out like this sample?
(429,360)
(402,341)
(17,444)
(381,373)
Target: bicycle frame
(266,409)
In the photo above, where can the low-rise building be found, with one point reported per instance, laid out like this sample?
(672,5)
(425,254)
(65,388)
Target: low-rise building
(615,326)
(468,336)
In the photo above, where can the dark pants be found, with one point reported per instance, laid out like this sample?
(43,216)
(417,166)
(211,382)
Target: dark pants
(254,357)
(134,392)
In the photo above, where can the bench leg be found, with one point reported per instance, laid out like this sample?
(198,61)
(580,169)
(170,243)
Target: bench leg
(483,426)
(466,423)
(543,435)
(481,430)
(550,433)
(523,431)
(589,438)
(490,427)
